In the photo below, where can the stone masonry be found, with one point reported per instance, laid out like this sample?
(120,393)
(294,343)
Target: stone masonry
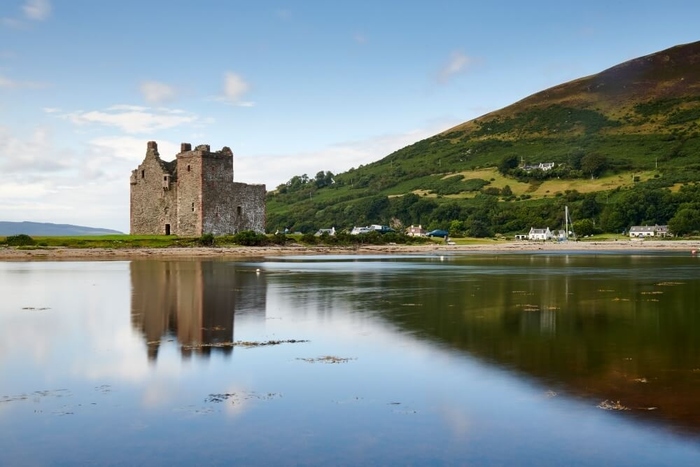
(193,195)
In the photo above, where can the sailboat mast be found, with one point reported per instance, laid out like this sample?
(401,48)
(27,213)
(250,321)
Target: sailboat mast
(566,222)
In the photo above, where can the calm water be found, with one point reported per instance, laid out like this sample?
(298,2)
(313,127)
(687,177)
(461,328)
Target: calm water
(387,360)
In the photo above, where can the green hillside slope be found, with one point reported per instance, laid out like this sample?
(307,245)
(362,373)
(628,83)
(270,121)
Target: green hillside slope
(621,134)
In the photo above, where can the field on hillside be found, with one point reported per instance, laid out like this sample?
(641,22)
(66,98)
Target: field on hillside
(549,188)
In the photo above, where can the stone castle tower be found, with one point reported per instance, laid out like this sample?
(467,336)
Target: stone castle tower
(193,195)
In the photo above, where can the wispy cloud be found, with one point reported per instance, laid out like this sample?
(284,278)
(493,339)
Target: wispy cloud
(8,83)
(235,87)
(32,10)
(360,38)
(157,93)
(273,169)
(37,10)
(132,119)
(283,14)
(458,63)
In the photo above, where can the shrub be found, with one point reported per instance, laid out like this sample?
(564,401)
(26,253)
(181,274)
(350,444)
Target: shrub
(20,240)
(250,238)
(206,239)
(279,239)
(309,239)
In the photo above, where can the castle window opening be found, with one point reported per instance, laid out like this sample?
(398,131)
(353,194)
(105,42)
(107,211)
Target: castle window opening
(167,229)
(239,210)
(192,207)
(143,174)
(188,167)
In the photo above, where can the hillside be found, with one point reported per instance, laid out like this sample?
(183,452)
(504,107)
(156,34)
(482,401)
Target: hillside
(47,229)
(635,126)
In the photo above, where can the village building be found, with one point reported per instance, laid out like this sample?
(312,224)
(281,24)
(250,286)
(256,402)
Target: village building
(539,234)
(416,231)
(543,166)
(330,232)
(641,231)
(193,195)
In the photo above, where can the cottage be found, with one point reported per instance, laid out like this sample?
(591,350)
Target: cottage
(414,231)
(360,230)
(330,232)
(539,234)
(543,166)
(642,231)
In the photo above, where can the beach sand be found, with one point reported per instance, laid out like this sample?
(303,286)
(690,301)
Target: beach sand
(100,254)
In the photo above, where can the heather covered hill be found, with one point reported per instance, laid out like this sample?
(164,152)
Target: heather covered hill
(632,128)
(662,84)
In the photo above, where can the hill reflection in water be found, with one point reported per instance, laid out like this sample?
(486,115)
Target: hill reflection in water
(600,326)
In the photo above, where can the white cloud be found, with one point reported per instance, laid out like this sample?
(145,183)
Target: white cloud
(155,92)
(37,10)
(276,169)
(31,156)
(131,149)
(133,119)
(85,186)
(234,88)
(24,192)
(457,64)
(13,23)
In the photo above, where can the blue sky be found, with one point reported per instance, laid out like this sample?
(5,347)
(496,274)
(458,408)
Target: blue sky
(292,87)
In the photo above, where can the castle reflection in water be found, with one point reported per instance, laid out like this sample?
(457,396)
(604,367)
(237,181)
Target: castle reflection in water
(194,302)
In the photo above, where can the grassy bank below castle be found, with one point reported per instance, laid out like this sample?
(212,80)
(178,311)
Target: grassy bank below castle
(295,241)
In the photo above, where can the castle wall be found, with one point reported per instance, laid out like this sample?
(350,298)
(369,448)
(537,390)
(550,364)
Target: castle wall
(216,203)
(153,196)
(251,200)
(235,207)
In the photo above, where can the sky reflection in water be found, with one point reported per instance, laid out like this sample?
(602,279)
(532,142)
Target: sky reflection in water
(439,360)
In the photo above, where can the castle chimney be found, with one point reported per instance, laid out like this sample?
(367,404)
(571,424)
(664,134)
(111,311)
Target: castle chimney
(185,147)
(152,145)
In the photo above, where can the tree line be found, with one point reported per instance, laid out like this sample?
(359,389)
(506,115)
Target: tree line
(486,215)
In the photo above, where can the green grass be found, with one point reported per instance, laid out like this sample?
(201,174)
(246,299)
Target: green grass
(115,241)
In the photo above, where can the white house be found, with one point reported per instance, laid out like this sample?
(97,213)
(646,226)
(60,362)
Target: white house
(539,234)
(641,231)
(360,230)
(414,231)
(543,166)
(330,232)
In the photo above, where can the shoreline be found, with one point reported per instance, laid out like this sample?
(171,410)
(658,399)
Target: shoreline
(117,254)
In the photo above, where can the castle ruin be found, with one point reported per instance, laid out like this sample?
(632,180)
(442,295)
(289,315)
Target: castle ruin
(193,195)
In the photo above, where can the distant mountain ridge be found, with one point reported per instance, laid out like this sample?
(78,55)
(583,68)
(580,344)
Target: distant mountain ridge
(49,229)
